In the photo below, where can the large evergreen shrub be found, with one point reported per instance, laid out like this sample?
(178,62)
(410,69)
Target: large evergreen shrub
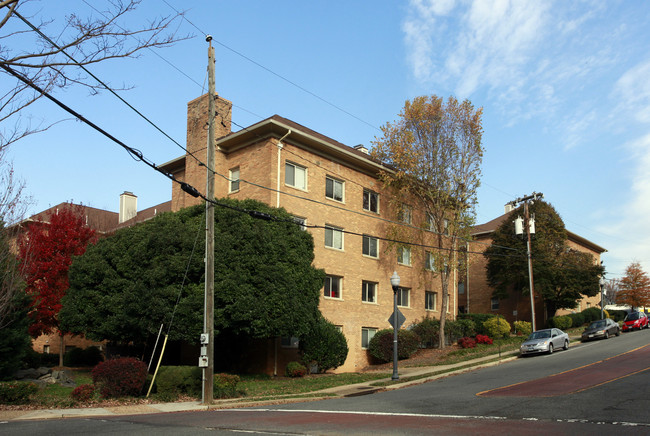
(324,345)
(381,345)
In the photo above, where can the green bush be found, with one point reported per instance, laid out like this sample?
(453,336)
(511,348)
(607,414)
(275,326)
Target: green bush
(325,345)
(591,314)
(89,356)
(617,315)
(523,327)
(577,319)
(561,322)
(120,377)
(427,330)
(295,369)
(381,345)
(17,392)
(479,319)
(497,327)
(172,381)
(225,385)
(15,341)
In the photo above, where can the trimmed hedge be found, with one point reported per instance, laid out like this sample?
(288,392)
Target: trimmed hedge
(523,327)
(479,319)
(89,356)
(497,327)
(120,377)
(381,345)
(172,381)
(561,322)
(324,345)
(17,392)
(591,314)
(295,369)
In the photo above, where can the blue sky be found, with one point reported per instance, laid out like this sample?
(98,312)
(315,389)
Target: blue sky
(564,86)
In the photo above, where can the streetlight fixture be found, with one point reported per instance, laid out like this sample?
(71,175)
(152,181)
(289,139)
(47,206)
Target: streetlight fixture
(601,282)
(394,281)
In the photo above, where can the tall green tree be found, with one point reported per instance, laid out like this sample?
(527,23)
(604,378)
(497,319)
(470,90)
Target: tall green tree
(434,153)
(126,285)
(561,275)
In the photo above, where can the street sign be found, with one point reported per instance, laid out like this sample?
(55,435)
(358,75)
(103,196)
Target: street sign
(400,319)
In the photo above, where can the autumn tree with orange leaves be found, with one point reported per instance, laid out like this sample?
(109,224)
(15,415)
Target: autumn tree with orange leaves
(634,288)
(46,251)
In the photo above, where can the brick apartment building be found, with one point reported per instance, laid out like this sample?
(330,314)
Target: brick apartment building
(335,187)
(475,295)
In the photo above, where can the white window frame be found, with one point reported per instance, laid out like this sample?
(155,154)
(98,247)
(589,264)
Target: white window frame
(429,261)
(494,303)
(367,333)
(430,295)
(369,245)
(327,287)
(334,232)
(404,255)
(365,287)
(335,183)
(403,294)
(302,222)
(431,223)
(233,176)
(295,170)
(406,214)
(369,194)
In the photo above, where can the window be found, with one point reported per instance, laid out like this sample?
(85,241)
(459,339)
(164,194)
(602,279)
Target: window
(403,296)
(289,342)
(370,201)
(295,176)
(332,287)
(446,224)
(334,189)
(46,349)
(369,246)
(367,334)
(368,292)
(430,300)
(494,304)
(461,288)
(333,237)
(431,223)
(301,222)
(429,261)
(405,214)
(404,255)
(234,180)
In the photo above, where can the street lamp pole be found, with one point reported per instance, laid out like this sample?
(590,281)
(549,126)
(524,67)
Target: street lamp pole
(601,282)
(394,281)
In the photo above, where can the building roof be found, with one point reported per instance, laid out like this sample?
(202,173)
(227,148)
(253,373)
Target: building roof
(486,229)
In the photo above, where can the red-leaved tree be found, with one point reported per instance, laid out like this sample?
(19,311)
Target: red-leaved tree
(46,251)
(634,288)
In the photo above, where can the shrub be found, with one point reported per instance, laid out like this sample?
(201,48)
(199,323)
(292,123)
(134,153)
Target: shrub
(83,393)
(617,315)
(324,345)
(523,327)
(16,392)
(479,319)
(172,381)
(577,319)
(120,377)
(427,330)
(34,359)
(467,342)
(90,356)
(483,339)
(225,385)
(561,322)
(591,314)
(497,327)
(467,327)
(381,345)
(295,369)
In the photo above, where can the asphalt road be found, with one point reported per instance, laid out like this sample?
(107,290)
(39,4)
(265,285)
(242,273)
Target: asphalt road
(597,388)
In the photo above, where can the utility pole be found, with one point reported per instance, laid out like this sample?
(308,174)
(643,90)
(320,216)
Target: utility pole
(208,315)
(518,230)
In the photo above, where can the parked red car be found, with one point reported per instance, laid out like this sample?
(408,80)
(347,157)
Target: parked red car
(635,320)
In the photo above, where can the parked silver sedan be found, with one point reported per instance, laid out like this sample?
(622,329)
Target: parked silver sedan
(545,341)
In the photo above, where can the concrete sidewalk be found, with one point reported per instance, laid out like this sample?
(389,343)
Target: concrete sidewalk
(408,377)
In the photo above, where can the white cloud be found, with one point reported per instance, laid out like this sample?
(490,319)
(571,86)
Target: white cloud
(632,91)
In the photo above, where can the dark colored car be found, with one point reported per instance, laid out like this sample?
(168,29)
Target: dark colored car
(545,341)
(603,328)
(635,320)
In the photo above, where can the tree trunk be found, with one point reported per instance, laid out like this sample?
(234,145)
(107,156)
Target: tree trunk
(444,278)
(61,348)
